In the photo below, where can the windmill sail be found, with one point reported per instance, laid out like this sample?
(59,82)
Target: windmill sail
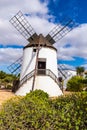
(57,33)
(15,67)
(60,30)
(23,26)
(63,71)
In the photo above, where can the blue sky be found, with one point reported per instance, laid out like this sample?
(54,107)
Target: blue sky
(43,15)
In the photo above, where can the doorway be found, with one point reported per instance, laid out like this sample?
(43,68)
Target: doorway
(41,68)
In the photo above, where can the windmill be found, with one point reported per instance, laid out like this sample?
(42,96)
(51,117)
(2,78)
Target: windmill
(39,64)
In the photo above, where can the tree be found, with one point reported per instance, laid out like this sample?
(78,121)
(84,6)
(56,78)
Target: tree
(80,70)
(75,84)
(2,75)
(6,79)
(86,74)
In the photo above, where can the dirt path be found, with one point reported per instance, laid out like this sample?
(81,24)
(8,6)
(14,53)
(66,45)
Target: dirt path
(5,95)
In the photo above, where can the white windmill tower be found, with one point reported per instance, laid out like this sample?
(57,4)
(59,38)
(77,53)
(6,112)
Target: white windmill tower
(39,65)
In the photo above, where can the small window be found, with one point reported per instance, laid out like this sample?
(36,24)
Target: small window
(34,50)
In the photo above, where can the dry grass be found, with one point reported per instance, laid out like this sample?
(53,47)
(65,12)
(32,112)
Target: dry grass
(5,95)
(67,92)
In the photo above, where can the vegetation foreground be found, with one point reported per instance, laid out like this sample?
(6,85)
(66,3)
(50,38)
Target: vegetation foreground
(36,111)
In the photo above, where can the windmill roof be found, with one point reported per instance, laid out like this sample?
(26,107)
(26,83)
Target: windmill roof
(41,41)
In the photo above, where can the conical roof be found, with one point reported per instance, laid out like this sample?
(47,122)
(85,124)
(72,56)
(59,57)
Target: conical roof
(41,41)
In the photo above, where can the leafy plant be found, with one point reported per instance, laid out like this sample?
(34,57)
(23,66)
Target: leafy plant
(6,79)
(36,111)
(75,84)
(80,70)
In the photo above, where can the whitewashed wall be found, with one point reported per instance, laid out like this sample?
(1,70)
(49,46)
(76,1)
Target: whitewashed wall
(29,60)
(44,83)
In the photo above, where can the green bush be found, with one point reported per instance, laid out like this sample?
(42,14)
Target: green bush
(71,111)
(84,81)
(9,86)
(6,79)
(36,111)
(75,84)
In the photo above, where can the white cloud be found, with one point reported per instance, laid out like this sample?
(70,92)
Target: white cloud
(77,40)
(85,66)
(10,7)
(41,25)
(39,19)
(35,6)
(9,55)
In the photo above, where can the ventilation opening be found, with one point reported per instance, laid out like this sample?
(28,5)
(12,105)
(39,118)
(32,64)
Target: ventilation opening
(34,49)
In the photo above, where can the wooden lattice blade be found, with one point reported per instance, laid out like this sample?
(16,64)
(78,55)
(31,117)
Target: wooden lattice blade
(15,67)
(23,26)
(60,30)
(63,71)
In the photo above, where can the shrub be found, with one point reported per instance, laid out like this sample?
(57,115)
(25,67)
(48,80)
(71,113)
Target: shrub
(71,112)
(36,111)
(26,112)
(6,79)
(84,81)
(75,84)
(38,94)
(9,86)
